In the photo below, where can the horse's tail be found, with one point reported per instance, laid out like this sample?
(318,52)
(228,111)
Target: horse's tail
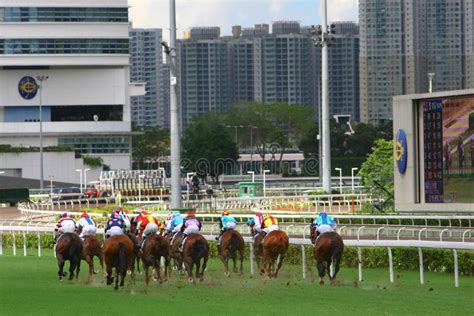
(75,250)
(200,249)
(122,258)
(234,242)
(337,247)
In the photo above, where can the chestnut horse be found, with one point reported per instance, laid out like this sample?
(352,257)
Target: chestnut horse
(69,247)
(155,247)
(174,250)
(231,243)
(275,246)
(195,248)
(92,247)
(118,253)
(328,249)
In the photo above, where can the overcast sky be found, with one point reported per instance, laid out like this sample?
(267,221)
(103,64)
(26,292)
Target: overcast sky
(225,13)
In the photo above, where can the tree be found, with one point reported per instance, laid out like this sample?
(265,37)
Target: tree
(149,145)
(377,171)
(208,147)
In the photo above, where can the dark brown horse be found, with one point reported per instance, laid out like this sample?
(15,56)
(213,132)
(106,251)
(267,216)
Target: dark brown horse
(69,247)
(195,248)
(175,241)
(257,244)
(118,254)
(275,246)
(155,247)
(92,247)
(231,244)
(328,249)
(136,244)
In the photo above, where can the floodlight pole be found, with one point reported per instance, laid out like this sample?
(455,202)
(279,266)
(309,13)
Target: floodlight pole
(174,119)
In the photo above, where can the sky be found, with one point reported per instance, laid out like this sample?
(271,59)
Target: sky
(225,13)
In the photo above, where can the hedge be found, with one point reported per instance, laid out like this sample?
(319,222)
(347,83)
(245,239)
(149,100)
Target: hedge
(435,260)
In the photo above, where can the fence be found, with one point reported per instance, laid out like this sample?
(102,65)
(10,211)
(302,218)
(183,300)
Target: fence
(30,228)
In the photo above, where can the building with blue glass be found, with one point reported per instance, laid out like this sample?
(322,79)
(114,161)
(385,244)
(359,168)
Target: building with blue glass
(82,47)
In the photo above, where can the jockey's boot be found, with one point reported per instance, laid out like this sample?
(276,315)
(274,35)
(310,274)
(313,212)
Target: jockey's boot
(142,243)
(181,245)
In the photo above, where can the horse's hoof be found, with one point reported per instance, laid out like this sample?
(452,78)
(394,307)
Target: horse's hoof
(96,272)
(190,280)
(321,282)
(116,287)
(201,279)
(155,279)
(61,279)
(129,272)
(227,274)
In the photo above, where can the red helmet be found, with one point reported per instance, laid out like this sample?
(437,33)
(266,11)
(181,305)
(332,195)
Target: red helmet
(144,213)
(259,214)
(191,214)
(64,215)
(84,215)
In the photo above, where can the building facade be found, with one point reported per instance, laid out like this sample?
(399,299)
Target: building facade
(401,41)
(82,47)
(204,81)
(146,65)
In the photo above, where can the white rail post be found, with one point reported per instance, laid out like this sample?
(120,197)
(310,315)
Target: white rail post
(251,258)
(24,243)
(422,275)
(14,243)
(390,263)
(39,244)
(359,259)
(303,261)
(456,268)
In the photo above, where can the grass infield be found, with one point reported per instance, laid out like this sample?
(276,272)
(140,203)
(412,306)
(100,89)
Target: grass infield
(29,286)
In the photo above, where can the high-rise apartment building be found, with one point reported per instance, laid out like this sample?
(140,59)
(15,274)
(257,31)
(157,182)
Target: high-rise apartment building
(147,66)
(401,41)
(204,82)
(82,47)
(241,69)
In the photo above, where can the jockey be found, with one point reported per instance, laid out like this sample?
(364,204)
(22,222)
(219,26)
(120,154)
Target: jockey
(324,223)
(257,221)
(269,223)
(174,223)
(115,226)
(227,222)
(65,225)
(191,225)
(86,225)
(147,225)
(124,217)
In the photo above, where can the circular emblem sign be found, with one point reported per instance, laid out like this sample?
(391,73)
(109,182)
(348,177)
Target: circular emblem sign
(401,151)
(27,87)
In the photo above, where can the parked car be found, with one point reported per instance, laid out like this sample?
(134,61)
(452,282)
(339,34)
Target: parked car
(71,193)
(94,190)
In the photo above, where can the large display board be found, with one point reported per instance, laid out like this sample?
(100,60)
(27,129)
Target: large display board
(448,146)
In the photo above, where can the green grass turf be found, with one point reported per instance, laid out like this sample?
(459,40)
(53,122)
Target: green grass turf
(29,285)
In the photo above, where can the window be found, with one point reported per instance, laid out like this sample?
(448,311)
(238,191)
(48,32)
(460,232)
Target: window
(33,14)
(97,145)
(63,46)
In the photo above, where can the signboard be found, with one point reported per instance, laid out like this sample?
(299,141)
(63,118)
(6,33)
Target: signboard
(448,135)
(27,87)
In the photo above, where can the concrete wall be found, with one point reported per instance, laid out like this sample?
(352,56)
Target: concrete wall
(61,165)
(409,189)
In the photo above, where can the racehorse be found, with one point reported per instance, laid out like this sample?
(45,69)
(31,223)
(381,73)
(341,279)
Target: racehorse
(275,246)
(69,247)
(118,253)
(136,244)
(174,250)
(195,248)
(328,249)
(92,247)
(257,244)
(231,243)
(155,247)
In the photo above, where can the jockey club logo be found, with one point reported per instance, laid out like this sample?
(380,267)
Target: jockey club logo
(27,87)
(401,151)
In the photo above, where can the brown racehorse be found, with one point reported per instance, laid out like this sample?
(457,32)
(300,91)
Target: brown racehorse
(195,248)
(69,247)
(328,249)
(118,253)
(175,253)
(155,247)
(92,247)
(136,244)
(275,245)
(231,244)
(257,244)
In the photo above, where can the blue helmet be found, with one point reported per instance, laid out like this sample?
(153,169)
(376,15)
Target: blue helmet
(251,221)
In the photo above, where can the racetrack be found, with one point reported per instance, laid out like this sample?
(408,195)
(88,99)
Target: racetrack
(29,285)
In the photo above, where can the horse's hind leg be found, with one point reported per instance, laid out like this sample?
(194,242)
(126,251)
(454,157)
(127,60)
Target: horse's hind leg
(78,267)
(61,267)
(204,265)
(241,262)
(72,267)
(280,263)
(147,274)
(189,266)
(198,268)
(321,269)
(234,259)
(337,262)
(225,259)
(90,262)
(158,269)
